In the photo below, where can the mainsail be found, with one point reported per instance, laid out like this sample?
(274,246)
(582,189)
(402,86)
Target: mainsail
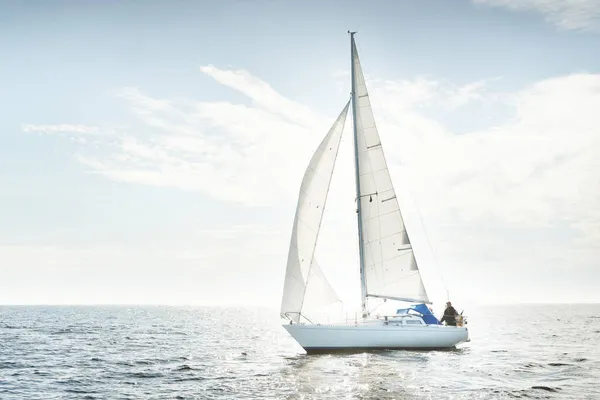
(306,289)
(388,266)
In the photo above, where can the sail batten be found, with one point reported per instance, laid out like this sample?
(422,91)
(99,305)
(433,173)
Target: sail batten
(388,265)
(306,288)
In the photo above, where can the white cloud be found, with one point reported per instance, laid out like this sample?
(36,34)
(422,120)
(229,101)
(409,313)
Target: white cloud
(229,151)
(523,194)
(423,92)
(565,14)
(62,128)
(539,168)
(264,96)
(79,134)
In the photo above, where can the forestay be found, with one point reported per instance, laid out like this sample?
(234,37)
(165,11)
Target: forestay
(306,289)
(390,268)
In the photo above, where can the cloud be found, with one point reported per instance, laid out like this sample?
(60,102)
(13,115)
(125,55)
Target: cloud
(79,134)
(581,15)
(62,128)
(521,194)
(264,96)
(230,151)
(538,168)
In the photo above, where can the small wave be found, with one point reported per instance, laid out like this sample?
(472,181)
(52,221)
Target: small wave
(7,326)
(546,388)
(191,378)
(532,365)
(75,390)
(11,365)
(124,363)
(153,361)
(145,362)
(62,331)
(145,374)
(557,364)
(72,381)
(41,373)
(184,367)
(525,393)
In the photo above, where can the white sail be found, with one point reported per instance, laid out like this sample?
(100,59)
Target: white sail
(390,268)
(306,288)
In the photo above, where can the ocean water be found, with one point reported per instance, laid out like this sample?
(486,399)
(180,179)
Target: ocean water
(529,352)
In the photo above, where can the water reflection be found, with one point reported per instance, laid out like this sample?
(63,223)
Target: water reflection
(377,374)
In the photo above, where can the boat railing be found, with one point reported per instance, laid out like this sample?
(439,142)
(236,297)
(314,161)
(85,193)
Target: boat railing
(355,320)
(288,316)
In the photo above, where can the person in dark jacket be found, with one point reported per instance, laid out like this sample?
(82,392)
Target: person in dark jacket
(449,315)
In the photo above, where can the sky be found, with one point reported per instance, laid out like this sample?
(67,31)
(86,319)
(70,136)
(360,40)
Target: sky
(151,152)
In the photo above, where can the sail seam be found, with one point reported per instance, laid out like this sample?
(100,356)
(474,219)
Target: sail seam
(384,260)
(382,215)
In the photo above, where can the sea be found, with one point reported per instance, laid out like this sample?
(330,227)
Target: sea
(163,352)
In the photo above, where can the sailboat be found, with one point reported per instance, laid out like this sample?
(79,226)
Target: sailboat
(388,267)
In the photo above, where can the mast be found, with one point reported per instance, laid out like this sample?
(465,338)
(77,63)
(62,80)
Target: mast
(363,283)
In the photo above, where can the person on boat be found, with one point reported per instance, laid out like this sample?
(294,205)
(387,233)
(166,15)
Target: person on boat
(449,315)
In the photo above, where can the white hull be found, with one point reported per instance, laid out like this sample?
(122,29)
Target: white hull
(323,338)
